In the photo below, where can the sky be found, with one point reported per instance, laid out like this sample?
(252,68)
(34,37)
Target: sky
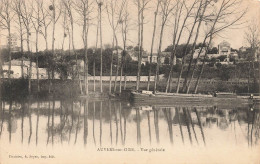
(235,36)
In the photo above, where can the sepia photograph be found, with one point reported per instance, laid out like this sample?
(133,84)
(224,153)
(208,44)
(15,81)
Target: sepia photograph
(130,81)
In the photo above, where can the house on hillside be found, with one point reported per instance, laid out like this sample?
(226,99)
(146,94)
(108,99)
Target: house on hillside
(133,54)
(165,58)
(199,53)
(211,56)
(146,58)
(234,55)
(224,49)
(16,70)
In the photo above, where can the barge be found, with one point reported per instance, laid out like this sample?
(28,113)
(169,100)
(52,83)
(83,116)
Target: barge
(148,97)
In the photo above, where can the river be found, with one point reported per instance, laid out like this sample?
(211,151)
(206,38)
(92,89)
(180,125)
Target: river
(68,130)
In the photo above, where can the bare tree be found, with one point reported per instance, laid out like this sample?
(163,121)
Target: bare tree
(55,15)
(17,9)
(94,54)
(200,20)
(166,9)
(124,29)
(100,3)
(141,7)
(196,17)
(153,36)
(179,12)
(69,6)
(45,22)
(36,21)
(252,37)
(6,17)
(114,12)
(84,8)
(27,21)
(223,17)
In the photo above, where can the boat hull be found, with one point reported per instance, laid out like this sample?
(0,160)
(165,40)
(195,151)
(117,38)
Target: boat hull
(186,100)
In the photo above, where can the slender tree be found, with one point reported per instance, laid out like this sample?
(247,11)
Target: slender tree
(124,30)
(55,15)
(219,22)
(200,20)
(252,37)
(115,12)
(166,9)
(45,22)
(36,21)
(17,9)
(100,4)
(177,32)
(84,8)
(187,44)
(141,7)
(94,54)
(152,44)
(69,6)
(27,21)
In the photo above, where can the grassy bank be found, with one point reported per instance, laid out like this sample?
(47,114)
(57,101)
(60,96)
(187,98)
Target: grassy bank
(18,88)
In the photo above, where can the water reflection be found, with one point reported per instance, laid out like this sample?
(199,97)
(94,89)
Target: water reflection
(57,122)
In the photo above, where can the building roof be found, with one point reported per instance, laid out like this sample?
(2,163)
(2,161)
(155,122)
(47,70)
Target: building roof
(224,43)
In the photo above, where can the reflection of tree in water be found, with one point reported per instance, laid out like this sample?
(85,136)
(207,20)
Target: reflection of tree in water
(65,121)
(168,116)
(66,126)
(85,121)
(253,126)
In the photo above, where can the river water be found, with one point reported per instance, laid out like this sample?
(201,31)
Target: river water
(108,131)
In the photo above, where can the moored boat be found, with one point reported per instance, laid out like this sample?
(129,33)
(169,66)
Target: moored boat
(178,98)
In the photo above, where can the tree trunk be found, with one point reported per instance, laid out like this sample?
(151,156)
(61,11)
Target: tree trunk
(121,73)
(9,53)
(37,61)
(151,53)
(36,47)
(201,71)
(139,48)
(101,65)
(53,50)
(193,48)
(249,77)
(21,42)
(184,57)
(1,74)
(156,78)
(194,67)
(117,65)
(169,80)
(86,55)
(111,73)
(111,68)
(211,36)
(30,68)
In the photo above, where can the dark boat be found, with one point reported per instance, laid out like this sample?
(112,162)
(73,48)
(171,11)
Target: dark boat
(147,97)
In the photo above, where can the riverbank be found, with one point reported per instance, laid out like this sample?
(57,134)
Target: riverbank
(18,88)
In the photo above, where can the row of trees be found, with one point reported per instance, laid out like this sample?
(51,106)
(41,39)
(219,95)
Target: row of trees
(196,20)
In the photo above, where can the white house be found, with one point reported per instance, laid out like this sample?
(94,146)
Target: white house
(197,53)
(16,70)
